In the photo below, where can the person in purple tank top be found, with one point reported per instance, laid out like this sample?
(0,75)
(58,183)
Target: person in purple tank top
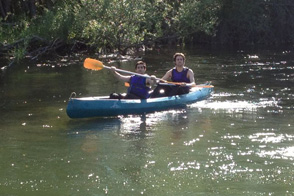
(139,87)
(180,74)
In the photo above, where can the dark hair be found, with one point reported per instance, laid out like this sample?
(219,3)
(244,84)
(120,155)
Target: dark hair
(140,62)
(179,54)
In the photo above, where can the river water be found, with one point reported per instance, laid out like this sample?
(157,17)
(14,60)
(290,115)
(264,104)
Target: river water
(237,142)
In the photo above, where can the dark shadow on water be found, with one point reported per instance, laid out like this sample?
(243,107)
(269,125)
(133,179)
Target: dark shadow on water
(76,127)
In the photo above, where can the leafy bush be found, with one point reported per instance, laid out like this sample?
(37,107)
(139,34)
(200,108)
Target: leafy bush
(118,25)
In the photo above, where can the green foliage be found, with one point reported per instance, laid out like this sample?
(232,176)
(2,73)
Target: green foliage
(198,16)
(53,24)
(114,24)
(117,25)
(20,51)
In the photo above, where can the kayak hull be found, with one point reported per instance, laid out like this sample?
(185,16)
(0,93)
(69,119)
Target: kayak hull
(87,107)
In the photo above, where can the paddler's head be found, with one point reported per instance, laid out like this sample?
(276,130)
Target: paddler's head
(179,59)
(140,67)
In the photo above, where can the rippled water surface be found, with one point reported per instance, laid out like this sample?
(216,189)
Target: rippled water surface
(237,142)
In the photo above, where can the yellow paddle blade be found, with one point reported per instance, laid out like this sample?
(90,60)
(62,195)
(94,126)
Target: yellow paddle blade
(127,84)
(93,64)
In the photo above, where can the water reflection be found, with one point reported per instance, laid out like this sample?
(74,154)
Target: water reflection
(129,127)
(80,127)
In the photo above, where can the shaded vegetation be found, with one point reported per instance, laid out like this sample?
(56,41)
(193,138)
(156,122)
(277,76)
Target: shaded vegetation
(30,28)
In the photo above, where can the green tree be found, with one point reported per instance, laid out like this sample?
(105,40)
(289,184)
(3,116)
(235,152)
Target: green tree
(34,27)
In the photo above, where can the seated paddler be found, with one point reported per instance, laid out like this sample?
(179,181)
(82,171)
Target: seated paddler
(139,86)
(180,74)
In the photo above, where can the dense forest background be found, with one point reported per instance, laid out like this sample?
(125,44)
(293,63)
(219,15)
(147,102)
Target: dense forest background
(31,28)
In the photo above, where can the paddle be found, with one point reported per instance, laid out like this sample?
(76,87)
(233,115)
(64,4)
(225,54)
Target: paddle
(94,64)
(188,85)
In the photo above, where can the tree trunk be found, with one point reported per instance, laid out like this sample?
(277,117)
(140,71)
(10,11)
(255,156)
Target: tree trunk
(5,8)
(32,7)
(29,7)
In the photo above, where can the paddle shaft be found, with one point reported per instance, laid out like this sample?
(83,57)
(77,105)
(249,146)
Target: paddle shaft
(129,72)
(187,84)
(166,83)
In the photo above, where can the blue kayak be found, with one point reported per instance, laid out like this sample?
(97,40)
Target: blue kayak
(102,106)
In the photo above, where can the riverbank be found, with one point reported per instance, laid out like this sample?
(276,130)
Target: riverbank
(30,30)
